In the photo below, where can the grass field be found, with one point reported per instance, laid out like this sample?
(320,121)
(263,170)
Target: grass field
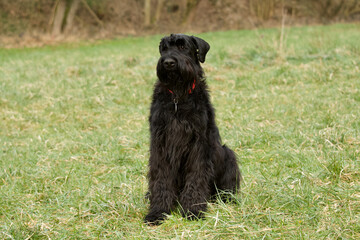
(74,137)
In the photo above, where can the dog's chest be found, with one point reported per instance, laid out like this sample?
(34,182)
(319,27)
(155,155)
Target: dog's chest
(181,126)
(179,137)
(184,121)
(179,129)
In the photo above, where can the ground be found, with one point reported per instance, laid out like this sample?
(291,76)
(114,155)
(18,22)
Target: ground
(74,136)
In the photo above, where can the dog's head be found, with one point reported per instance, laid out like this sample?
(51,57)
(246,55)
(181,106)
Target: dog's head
(179,63)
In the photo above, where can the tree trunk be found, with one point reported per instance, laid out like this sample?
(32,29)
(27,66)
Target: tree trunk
(159,7)
(58,17)
(147,10)
(191,15)
(183,10)
(92,13)
(71,15)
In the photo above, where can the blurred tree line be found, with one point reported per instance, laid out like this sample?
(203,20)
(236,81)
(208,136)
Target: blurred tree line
(111,17)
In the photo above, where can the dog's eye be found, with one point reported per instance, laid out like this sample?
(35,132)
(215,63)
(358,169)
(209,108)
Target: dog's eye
(181,47)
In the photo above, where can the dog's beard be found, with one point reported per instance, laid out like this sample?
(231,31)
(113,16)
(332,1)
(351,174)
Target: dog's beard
(179,79)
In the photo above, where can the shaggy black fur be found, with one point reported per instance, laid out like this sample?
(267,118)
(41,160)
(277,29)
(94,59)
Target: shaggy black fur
(187,162)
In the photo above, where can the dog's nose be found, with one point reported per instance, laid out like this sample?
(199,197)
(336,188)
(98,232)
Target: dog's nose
(169,63)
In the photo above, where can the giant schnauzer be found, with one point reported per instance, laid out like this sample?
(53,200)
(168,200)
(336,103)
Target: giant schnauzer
(188,165)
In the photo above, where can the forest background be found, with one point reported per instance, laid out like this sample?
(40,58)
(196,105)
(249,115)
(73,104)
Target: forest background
(39,22)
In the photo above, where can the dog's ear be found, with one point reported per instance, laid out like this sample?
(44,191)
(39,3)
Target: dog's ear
(202,47)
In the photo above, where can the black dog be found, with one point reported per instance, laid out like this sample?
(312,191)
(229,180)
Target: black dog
(187,162)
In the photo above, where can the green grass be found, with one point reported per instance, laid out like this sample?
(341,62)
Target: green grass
(74,137)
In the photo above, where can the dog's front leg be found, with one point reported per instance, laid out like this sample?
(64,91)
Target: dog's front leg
(196,192)
(162,193)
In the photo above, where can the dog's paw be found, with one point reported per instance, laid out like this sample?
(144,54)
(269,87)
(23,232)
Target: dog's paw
(154,218)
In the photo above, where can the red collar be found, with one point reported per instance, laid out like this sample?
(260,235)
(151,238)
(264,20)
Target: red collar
(190,90)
